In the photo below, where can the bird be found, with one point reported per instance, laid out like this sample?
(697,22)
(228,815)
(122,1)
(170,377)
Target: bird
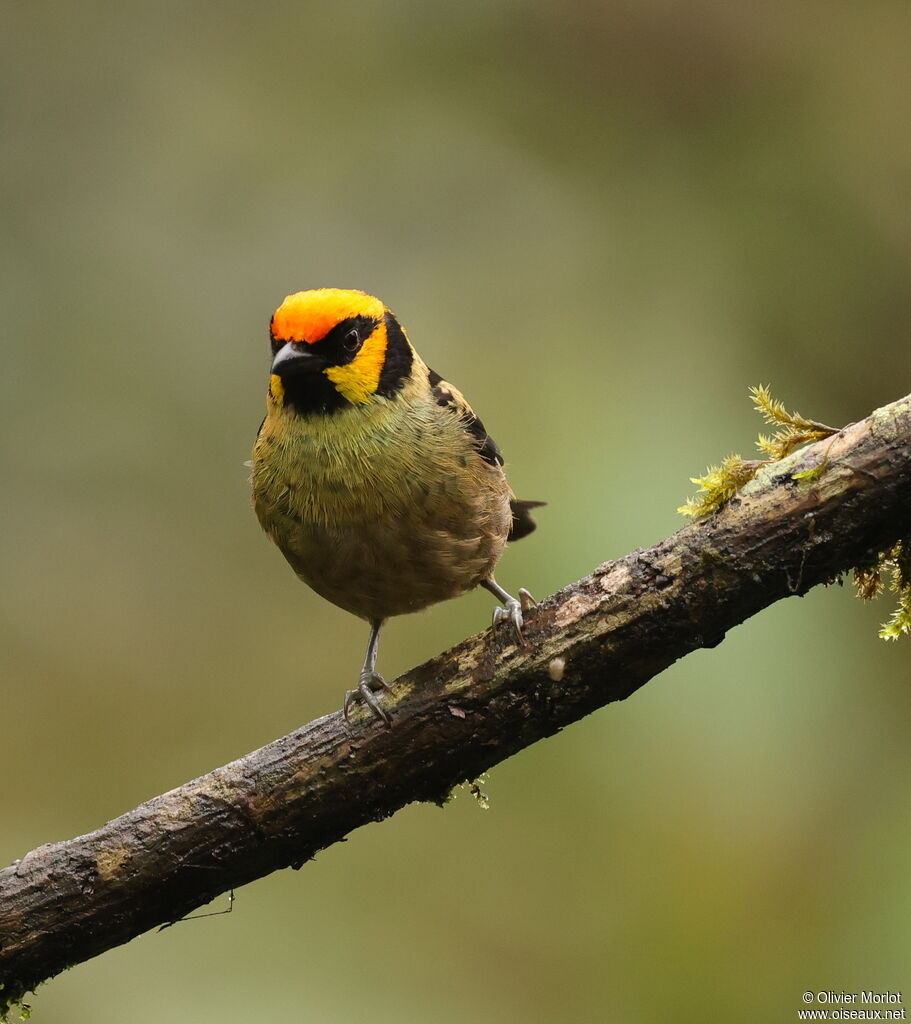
(373,475)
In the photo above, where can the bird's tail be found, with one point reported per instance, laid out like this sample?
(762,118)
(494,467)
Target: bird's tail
(522,522)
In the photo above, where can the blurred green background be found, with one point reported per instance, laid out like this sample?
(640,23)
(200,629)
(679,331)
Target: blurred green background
(603,222)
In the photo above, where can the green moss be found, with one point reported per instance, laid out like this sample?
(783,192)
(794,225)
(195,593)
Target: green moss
(793,430)
(8,1005)
(721,483)
(810,474)
(718,486)
(896,565)
(475,789)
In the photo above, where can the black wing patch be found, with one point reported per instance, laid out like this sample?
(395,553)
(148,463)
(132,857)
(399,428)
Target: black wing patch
(449,397)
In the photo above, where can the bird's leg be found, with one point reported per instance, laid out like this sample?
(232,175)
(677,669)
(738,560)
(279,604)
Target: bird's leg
(370,682)
(513,607)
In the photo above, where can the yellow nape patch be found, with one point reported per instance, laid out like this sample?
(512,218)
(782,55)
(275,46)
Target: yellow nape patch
(359,379)
(309,316)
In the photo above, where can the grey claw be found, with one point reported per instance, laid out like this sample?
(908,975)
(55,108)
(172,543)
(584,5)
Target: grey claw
(526,600)
(369,684)
(349,700)
(374,681)
(512,612)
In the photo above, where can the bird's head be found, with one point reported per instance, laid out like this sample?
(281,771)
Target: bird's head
(333,348)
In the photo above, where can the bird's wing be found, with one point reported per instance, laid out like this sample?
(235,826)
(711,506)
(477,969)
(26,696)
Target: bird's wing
(450,397)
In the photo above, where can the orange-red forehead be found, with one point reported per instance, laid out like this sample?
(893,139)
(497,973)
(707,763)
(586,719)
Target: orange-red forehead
(309,316)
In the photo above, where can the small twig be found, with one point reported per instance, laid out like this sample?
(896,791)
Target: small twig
(209,913)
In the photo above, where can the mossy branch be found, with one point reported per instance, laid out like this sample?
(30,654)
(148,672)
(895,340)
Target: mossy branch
(596,641)
(721,483)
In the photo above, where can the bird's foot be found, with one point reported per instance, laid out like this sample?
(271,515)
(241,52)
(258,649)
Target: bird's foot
(512,611)
(368,685)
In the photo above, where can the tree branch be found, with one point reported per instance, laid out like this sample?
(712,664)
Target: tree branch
(596,641)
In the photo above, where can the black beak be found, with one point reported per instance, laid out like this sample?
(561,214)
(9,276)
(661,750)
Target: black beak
(296,358)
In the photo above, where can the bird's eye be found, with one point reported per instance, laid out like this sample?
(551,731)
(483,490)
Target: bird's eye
(351,341)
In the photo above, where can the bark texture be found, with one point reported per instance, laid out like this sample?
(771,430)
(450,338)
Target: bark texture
(596,641)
